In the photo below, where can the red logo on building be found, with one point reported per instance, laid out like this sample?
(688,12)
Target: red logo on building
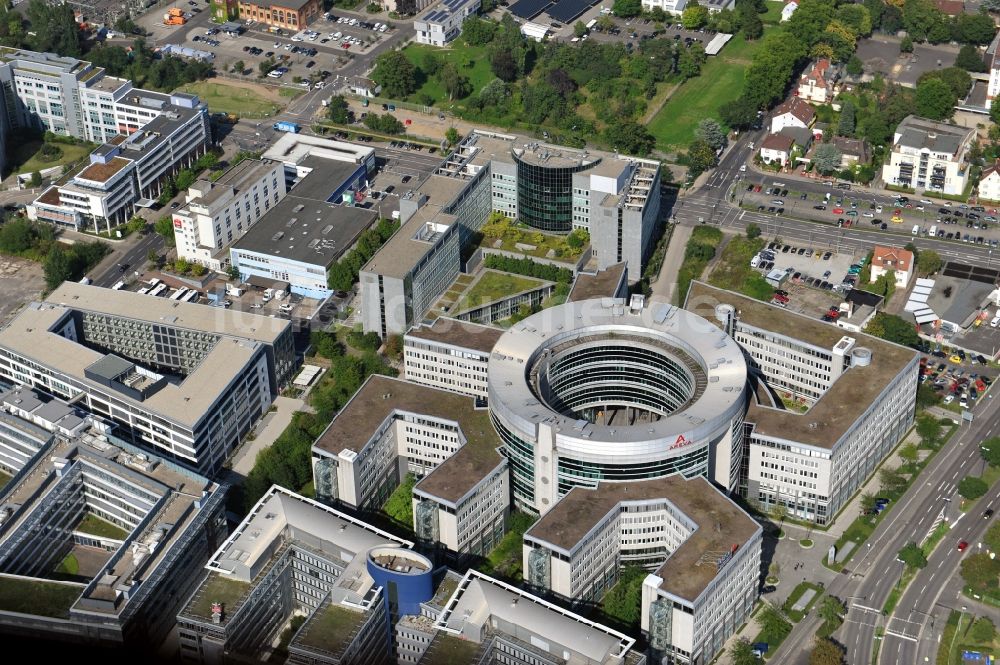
(177,223)
(680,442)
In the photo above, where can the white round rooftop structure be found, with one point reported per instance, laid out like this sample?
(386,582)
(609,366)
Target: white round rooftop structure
(601,390)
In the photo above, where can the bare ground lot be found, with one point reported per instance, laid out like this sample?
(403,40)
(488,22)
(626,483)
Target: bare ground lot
(21,281)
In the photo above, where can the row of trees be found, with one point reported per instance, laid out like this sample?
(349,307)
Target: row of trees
(148,69)
(187,177)
(528,268)
(344,273)
(71,262)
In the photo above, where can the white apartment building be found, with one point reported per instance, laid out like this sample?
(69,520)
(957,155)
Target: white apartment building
(929,156)
(216,214)
(817,85)
(683,529)
(993,62)
(392,427)
(443,22)
(184,380)
(450,354)
(826,408)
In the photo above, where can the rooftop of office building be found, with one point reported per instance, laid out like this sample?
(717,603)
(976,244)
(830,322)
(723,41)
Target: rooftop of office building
(33,334)
(279,519)
(598,284)
(102,172)
(688,570)
(235,179)
(483,606)
(291,148)
(306,230)
(179,495)
(381,396)
(25,59)
(464,334)
(839,408)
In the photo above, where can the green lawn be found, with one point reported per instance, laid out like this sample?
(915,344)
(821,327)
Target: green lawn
(217,589)
(69,565)
(733,271)
(798,592)
(25,158)
(49,599)
(99,527)
(505,559)
(773,14)
(493,286)
(331,628)
(470,61)
(721,81)
(223,98)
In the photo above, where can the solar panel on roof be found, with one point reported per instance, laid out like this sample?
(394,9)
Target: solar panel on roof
(529,9)
(567,10)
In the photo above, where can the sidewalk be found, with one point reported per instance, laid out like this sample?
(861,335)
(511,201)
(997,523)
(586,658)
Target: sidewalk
(270,427)
(665,285)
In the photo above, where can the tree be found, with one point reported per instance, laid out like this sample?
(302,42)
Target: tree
(153,256)
(912,555)
(478,31)
(826,652)
(54,28)
(503,65)
(974,28)
(908,453)
(165,227)
(239,66)
(926,396)
(955,77)
(36,179)
(906,45)
(928,429)
(395,73)
(694,16)
(868,503)
(752,26)
(58,266)
(831,609)
(980,571)
(982,631)
(452,136)
(972,487)
(855,67)
(710,132)
(891,480)
(701,157)
(753,231)
(265,66)
(935,99)
(892,328)
(454,82)
(772,622)
(338,111)
(846,125)
(989,449)
(741,653)
(623,600)
(827,158)
(739,113)
(928,262)
(970,59)
(630,137)
(579,29)
(626,8)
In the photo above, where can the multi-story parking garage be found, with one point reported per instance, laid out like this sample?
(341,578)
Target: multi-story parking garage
(600,390)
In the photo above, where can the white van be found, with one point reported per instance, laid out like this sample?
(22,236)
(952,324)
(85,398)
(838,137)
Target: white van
(933,232)
(755,261)
(916,230)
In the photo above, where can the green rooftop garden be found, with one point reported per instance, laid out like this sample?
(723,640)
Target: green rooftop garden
(493,286)
(47,599)
(217,589)
(501,232)
(445,650)
(331,629)
(102,528)
(4,478)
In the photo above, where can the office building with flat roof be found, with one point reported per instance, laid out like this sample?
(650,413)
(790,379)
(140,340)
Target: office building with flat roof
(703,548)
(292,555)
(392,427)
(825,407)
(450,354)
(551,188)
(136,527)
(443,22)
(295,151)
(184,380)
(309,229)
(217,214)
(28,422)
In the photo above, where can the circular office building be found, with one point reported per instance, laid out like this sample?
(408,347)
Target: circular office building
(545,185)
(600,390)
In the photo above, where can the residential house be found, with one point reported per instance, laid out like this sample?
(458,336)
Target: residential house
(989,183)
(817,84)
(365,87)
(777,148)
(929,155)
(852,151)
(896,259)
(793,112)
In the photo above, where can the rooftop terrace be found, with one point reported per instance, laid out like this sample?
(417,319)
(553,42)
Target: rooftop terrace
(330,629)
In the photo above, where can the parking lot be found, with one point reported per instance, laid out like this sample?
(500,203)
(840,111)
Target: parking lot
(814,275)
(881,54)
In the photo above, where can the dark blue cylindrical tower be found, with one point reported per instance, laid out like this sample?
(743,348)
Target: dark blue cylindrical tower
(406,578)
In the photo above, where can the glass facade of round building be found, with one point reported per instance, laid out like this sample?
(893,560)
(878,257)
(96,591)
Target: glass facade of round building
(545,194)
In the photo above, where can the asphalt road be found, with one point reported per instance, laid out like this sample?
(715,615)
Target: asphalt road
(874,572)
(132,253)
